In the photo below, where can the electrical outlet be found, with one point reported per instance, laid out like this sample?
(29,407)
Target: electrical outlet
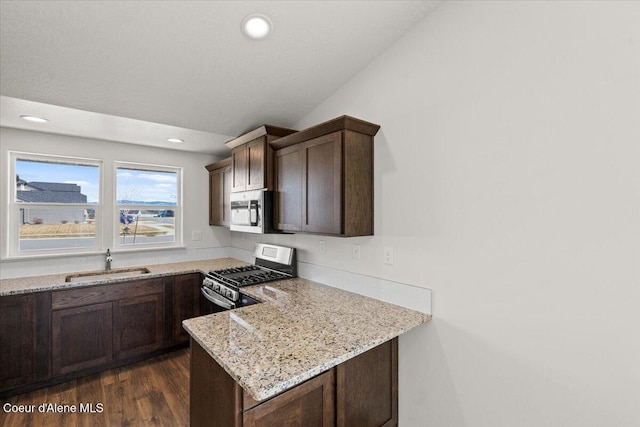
(323,247)
(388,256)
(196,235)
(355,251)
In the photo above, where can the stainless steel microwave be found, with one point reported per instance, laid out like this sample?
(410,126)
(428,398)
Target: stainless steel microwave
(252,211)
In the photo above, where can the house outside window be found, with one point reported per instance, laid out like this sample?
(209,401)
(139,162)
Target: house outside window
(55,204)
(148,205)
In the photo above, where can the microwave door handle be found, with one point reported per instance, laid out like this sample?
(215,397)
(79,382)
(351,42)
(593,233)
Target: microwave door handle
(216,299)
(253,212)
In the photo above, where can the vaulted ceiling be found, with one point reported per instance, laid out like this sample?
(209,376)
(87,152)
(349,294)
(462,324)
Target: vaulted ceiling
(144,71)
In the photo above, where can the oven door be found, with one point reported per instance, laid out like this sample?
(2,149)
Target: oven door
(214,303)
(245,212)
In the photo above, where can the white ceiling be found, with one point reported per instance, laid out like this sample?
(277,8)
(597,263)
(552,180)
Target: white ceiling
(144,71)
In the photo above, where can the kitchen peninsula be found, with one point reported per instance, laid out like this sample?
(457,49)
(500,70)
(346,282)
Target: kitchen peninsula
(309,354)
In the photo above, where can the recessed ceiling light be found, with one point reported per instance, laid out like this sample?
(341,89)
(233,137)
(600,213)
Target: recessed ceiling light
(256,26)
(35,119)
(175,140)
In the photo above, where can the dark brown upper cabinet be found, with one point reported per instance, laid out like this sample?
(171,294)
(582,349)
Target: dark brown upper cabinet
(324,179)
(220,192)
(252,158)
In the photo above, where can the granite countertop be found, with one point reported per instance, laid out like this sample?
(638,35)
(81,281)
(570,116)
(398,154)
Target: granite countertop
(300,330)
(50,282)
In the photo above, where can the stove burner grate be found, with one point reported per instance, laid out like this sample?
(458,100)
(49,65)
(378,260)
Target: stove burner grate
(247,275)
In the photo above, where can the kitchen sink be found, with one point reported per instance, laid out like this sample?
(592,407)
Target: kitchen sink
(117,273)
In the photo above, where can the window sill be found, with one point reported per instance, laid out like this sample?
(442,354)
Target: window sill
(85,254)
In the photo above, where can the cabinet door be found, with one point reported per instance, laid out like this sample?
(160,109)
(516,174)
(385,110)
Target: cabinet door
(256,163)
(367,388)
(322,184)
(138,325)
(289,189)
(216,197)
(310,404)
(186,303)
(81,337)
(215,399)
(220,181)
(239,168)
(17,335)
(227,178)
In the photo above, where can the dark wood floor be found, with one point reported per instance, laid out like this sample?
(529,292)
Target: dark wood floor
(150,393)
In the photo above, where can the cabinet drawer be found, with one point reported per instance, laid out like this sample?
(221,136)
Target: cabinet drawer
(104,293)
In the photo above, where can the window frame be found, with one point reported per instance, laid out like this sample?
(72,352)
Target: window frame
(14,207)
(177,208)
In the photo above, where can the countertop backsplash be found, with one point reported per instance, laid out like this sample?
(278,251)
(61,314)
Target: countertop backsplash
(402,294)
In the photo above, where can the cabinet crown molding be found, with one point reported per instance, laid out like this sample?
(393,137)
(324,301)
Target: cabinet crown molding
(333,125)
(257,133)
(219,164)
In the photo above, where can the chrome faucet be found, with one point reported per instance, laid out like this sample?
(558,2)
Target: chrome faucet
(109,259)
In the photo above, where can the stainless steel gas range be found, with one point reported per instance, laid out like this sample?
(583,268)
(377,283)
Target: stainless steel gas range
(221,288)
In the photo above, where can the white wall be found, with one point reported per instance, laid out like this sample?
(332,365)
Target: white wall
(195,200)
(507,181)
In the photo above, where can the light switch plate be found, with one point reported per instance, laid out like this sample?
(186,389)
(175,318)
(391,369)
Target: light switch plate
(196,235)
(323,247)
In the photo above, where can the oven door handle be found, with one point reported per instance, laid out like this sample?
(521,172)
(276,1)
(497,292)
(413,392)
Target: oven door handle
(253,212)
(210,296)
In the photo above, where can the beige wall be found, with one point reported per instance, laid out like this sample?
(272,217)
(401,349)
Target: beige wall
(507,181)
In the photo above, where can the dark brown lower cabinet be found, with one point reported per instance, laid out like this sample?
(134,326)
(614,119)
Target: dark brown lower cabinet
(186,303)
(25,322)
(367,388)
(47,337)
(16,340)
(81,337)
(311,404)
(333,398)
(138,325)
(95,325)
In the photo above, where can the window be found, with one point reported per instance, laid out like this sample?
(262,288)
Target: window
(148,208)
(54,204)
